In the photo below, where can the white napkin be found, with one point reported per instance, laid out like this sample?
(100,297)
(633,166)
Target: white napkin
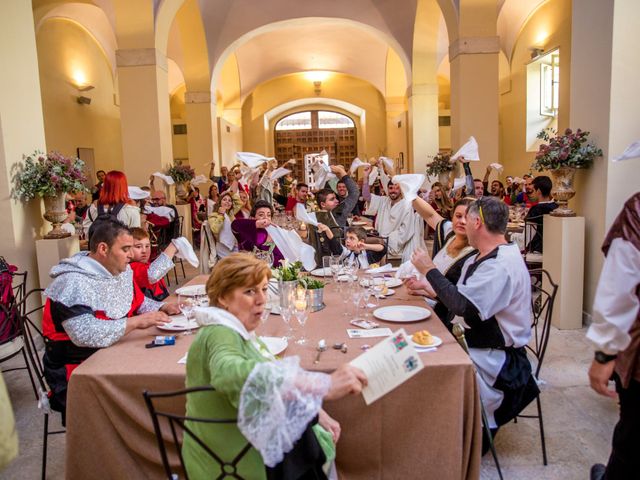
(69,228)
(384,268)
(199,180)
(227,238)
(469,151)
(356,164)
(165,212)
(292,247)
(292,161)
(279,172)
(136,193)
(384,181)
(458,183)
(407,270)
(252,160)
(166,178)
(387,161)
(632,151)
(322,177)
(183,360)
(373,175)
(303,216)
(518,180)
(247,175)
(497,167)
(409,183)
(185,250)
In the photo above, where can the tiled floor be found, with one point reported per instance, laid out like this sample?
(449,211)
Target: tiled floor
(578,423)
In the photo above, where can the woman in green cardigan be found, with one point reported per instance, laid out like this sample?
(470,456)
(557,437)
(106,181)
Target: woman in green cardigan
(277,404)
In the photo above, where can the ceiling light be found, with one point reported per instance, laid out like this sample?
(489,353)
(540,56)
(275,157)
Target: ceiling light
(316,75)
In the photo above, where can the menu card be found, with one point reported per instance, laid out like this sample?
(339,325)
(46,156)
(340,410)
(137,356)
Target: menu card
(389,364)
(372,332)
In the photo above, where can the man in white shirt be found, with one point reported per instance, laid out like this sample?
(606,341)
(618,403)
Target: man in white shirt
(395,219)
(615,333)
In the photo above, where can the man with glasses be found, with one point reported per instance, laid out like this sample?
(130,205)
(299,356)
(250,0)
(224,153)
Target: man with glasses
(163,219)
(492,301)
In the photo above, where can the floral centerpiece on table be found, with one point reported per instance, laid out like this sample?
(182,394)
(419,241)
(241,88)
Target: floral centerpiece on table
(568,150)
(441,164)
(287,271)
(50,176)
(562,155)
(312,283)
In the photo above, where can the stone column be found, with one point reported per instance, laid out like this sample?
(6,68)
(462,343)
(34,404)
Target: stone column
(201,131)
(144,112)
(423,124)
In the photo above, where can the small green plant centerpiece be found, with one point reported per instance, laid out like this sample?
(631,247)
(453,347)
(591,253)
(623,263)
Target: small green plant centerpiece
(315,291)
(49,176)
(561,156)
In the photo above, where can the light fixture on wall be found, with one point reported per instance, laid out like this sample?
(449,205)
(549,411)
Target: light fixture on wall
(536,51)
(82,100)
(317,77)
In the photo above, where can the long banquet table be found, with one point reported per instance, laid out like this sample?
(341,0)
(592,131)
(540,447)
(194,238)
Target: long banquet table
(429,427)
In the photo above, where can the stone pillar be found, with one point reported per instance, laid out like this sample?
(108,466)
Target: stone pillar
(201,131)
(144,112)
(397,132)
(423,124)
(21,132)
(474,96)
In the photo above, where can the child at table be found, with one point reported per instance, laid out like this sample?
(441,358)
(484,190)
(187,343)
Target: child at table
(359,250)
(149,276)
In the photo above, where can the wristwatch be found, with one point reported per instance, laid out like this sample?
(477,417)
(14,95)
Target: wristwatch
(603,358)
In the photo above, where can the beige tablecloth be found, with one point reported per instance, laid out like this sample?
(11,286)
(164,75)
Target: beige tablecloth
(429,427)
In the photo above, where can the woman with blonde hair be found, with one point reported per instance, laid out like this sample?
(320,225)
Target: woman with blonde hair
(224,212)
(440,201)
(277,403)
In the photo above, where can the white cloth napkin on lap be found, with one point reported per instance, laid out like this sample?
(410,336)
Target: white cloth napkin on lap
(252,160)
(279,172)
(167,179)
(632,151)
(303,216)
(409,183)
(469,151)
(407,270)
(497,167)
(356,164)
(185,250)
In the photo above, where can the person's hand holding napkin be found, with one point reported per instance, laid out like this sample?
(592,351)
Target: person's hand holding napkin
(185,250)
(409,184)
(303,216)
(469,151)
(356,164)
(407,270)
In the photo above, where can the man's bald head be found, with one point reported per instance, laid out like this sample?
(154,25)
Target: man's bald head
(158,198)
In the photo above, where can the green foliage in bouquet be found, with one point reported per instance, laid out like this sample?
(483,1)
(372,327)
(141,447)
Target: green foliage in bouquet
(568,150)
(46,175)
(440,164)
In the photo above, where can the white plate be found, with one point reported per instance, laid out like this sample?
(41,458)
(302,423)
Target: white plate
(387,270)
(178,323)
(390,292)
(402,313)
(437,341)
(345,278)
(389,282)
(275,345)
(321,272)
(192,290)
(360,223)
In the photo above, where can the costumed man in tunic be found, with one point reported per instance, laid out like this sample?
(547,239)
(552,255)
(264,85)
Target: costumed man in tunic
(91,304)
(615,333)
(395,219)
(348,200)
(492,300)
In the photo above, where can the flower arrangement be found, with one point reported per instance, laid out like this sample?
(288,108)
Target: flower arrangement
(46,175)
(287,271)
(312,283)
(568,150)
(181,173)
(441,163)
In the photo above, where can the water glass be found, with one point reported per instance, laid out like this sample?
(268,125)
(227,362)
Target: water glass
(335,266)
(187,305)
(326,265)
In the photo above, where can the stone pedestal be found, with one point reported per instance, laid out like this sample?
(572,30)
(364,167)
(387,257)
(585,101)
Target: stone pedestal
(563,258)
(49,252)
(185,212)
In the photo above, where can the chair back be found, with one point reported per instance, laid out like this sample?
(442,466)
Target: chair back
(33,337)
(531,226)
(543,296)
(179,428)
(19,287)
(180,225)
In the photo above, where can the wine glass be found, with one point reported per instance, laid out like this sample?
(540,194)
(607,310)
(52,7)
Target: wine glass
(187,305)
(286,313)
(302,307)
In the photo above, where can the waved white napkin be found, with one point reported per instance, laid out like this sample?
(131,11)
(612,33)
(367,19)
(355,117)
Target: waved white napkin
(227,238)
(384,268)
(373,175)
(458,183)
(407,270)
(199,180)
(517,180)
(165,212)
(292,247)
(185,250)
(69,228)
(469,151)
(497,167)
(356,164)
(136,193)
(292,161)
(409,183)
(252,160)
(387,161)
(303,216)
(322,177)
(166,178)
(279,172)
(384,181)
(632,151)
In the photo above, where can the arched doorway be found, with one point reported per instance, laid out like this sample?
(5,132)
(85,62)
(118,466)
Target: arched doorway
(312,131)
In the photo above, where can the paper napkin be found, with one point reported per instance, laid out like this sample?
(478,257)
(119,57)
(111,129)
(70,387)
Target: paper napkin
(632,151)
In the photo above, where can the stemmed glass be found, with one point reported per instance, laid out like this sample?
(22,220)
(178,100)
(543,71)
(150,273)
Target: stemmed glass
(187,305)
(302,307)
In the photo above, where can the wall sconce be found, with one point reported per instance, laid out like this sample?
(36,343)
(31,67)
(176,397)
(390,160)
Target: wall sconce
(317,87)
(82,100)
(536,51)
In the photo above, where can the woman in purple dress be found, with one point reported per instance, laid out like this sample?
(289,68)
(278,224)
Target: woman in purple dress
(251,232)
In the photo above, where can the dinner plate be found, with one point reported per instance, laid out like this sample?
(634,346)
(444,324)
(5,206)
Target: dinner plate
(402,313)
(178,323)
(275,345)
(321,272)
(437,341)
(389,282)
(192,290)
(390,291)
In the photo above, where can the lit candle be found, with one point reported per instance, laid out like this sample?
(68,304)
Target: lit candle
(301,304)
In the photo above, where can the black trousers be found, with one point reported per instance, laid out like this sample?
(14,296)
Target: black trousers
(624,462)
